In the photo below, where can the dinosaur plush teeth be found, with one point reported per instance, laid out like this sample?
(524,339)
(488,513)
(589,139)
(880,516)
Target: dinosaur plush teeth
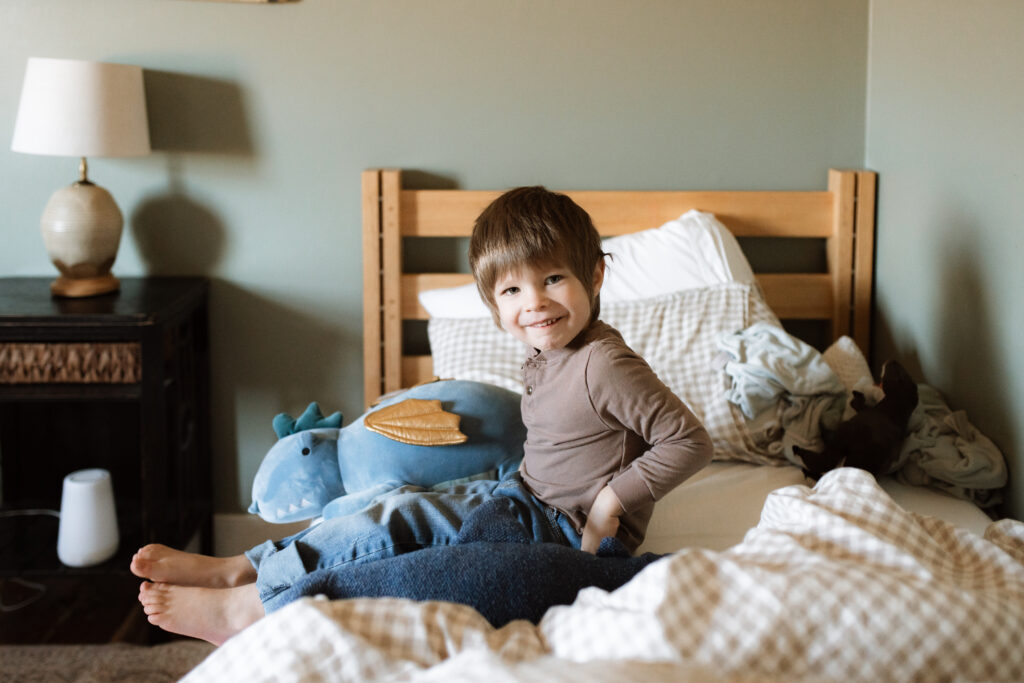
(418,422)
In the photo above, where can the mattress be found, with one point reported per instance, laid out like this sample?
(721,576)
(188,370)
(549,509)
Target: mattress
(715,508)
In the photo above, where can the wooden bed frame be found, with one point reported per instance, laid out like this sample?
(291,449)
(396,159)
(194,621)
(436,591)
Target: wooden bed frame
(844,215)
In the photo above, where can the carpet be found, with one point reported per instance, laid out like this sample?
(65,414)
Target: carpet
(114,663)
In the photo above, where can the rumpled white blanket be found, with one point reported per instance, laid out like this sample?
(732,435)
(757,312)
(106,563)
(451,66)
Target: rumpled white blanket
(837,582)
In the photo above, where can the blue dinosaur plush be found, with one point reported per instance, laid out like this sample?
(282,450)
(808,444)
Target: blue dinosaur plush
(318,468)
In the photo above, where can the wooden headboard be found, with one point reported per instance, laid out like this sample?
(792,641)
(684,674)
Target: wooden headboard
(843,215)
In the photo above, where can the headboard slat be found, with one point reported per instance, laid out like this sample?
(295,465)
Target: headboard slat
(415,283)
(793,296)
(840,247)
(373,337)
(797,296)
(417,369)
(864,259)
(451,213)
(391,278)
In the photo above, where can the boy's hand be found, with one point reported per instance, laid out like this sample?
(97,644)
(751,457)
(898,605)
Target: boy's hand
(602,521)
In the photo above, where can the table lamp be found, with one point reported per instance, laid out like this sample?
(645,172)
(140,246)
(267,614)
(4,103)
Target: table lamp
(82,109)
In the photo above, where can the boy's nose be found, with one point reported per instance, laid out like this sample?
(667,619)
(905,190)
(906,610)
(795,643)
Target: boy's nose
(536,302)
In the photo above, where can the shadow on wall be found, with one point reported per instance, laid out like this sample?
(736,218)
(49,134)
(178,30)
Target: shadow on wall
(884,347)
(974,377)
(190,113)
(413,179)
(277,356)
(298,356)
(969,374)
(175,234)
(187,115)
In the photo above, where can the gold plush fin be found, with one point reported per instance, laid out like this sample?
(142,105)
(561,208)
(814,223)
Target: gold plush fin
(417,422)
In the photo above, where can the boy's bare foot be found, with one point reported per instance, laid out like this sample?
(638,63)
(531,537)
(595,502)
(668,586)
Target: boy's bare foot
(166,565)
(212,614)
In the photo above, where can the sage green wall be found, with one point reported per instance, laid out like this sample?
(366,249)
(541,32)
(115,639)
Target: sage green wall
(263,117)
(945,131)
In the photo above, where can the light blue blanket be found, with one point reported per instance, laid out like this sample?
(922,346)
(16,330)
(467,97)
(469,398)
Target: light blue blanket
(785,389)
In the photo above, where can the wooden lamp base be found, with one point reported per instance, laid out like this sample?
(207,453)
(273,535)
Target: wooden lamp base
(84,286)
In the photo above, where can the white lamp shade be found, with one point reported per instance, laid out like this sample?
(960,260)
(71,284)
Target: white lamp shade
(82,109)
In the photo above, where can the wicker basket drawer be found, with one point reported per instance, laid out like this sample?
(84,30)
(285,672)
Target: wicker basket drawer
(66,363)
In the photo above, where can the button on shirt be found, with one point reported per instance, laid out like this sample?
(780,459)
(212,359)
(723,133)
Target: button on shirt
(596,415)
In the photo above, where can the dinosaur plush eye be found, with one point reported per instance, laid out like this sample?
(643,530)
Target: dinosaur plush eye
(305,451)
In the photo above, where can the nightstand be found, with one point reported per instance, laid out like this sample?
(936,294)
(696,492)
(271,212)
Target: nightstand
(118,381)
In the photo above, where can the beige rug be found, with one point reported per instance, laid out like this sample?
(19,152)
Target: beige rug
(101,663)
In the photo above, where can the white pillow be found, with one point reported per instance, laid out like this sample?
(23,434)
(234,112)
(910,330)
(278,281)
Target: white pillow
(675,333)
(454,303)
(692,251)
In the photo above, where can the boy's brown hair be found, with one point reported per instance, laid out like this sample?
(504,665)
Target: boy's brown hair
(533,225)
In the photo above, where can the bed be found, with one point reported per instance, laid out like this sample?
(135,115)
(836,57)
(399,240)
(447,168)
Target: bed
(769,575)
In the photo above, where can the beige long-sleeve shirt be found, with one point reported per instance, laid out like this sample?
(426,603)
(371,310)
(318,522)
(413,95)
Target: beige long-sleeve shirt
(596,415)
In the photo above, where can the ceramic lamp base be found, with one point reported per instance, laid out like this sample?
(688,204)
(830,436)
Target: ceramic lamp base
(84,286)
(81,229)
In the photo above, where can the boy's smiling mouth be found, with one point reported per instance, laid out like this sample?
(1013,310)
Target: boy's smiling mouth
(545,323)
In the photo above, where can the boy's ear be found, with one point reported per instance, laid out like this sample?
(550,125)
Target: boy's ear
(598,277)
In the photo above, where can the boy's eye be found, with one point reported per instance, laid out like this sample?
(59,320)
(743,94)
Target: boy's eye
(508,291)
(553,279)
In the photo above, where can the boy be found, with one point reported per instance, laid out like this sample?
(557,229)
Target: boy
(605,438)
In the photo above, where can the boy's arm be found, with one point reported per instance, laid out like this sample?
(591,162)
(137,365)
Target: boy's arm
(628,395)
(602,521)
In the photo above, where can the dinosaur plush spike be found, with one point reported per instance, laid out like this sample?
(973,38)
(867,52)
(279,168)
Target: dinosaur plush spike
(426,436)
(311,418)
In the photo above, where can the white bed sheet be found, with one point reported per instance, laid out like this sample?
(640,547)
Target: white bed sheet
(715,508)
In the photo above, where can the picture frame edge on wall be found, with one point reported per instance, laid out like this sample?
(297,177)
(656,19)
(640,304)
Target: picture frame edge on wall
(256,2)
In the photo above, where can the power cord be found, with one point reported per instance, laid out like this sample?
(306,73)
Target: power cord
(29,513)
(39,588)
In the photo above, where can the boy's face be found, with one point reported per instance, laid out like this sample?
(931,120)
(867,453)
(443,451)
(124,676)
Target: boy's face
(545,306)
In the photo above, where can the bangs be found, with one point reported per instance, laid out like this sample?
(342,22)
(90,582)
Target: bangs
(510,244)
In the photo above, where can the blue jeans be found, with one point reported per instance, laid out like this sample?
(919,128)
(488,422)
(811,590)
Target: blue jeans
(399,521)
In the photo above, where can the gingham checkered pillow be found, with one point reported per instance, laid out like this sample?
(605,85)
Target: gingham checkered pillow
(475,349)
(675,333)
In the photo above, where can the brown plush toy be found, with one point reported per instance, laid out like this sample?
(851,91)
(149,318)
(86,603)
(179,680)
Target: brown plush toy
(870,440)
